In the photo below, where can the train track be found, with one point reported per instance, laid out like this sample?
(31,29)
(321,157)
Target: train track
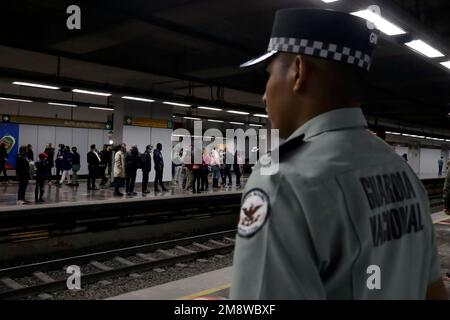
(127,260)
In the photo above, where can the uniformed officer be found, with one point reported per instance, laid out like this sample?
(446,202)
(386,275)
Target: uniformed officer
(344,217)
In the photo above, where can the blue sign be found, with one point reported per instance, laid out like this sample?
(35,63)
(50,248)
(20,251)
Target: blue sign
(9,135)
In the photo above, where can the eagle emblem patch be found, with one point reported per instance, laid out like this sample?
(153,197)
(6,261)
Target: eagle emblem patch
(254,211)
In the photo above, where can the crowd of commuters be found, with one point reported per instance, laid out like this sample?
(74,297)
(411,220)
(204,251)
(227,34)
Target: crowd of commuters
(121,166)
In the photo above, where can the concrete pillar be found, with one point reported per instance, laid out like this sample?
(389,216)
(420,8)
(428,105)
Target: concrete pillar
(118,121)
(414,157)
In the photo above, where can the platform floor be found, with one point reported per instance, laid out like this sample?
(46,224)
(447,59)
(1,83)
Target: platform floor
(66,194)
(216,284)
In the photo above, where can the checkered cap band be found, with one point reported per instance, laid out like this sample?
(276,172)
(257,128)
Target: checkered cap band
(320,49)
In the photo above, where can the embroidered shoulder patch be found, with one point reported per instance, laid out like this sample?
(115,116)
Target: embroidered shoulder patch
(254,212)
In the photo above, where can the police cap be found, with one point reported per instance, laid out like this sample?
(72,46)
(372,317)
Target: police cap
(326,34)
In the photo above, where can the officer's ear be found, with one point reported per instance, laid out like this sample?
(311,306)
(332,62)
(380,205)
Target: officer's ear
(299,68)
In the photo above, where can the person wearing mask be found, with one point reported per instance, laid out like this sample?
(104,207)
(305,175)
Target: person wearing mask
(75,166)
(119,170)
(3,160)
(41,175)
(131,167)
(93,160)
(146,166)
(23,174)
(66,165)
(50,152)
(215,167)
(30,153)
(159,167)
(105,158)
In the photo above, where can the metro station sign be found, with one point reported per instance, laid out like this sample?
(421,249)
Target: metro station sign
(147,122)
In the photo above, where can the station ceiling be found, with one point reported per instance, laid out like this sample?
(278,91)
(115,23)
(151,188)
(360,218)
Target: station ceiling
(193,47)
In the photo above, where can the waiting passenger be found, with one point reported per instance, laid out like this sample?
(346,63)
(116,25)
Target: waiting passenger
(66,165)
(146,165)
(440,165)
(75,166)
(3,160)
(132,164)
(50,152)
(23,174)
(159,167)
(237,167)
(42,166)
(30,154)
(215,167)
(59,157)
(197,171)
(105,158)
(93,160)
(206,159)
(227,169)
(119,170)
(178,164)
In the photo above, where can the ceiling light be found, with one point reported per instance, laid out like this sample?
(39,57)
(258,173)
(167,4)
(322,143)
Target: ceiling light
(138,99)
(92,92)
(177,104)
(12,99)
(35,85)
(446,64)
(191,118)
(101,108)
(424,48)
(237,112)
(382,24)
(255,125)
(261,115)
(209,108)
(211,120)
(63,104)
(329,1)
(238,123)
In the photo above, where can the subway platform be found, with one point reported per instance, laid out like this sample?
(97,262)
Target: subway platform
(65,194)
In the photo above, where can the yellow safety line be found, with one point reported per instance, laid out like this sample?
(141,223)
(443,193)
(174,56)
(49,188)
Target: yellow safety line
(205,292)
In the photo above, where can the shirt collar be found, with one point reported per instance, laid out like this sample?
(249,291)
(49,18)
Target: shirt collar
(339,119)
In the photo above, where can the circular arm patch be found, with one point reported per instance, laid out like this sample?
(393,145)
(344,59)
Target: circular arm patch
(254,212)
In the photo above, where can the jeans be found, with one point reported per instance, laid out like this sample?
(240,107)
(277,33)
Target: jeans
(216,172)
(131,180)
(39,190)
(23,184)
(145,174)
(65,175)
(158,179)
(75,169)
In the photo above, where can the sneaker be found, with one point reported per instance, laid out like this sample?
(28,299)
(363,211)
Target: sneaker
(118,194)
(41,200)
(145,191)
(20,202)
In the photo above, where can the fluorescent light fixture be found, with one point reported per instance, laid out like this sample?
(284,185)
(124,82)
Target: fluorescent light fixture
(255,125)
(35,85)
(191,118)
(382,24)
(63,104)
(446,64)
(177,104)
(394,133)
(101,108)
(237,112)
(238,123)
(424,48)
(12,99)
(92,92)
(111,141)
(261,115)
(210,108)
(138,99)
(329,1)
(212,120)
